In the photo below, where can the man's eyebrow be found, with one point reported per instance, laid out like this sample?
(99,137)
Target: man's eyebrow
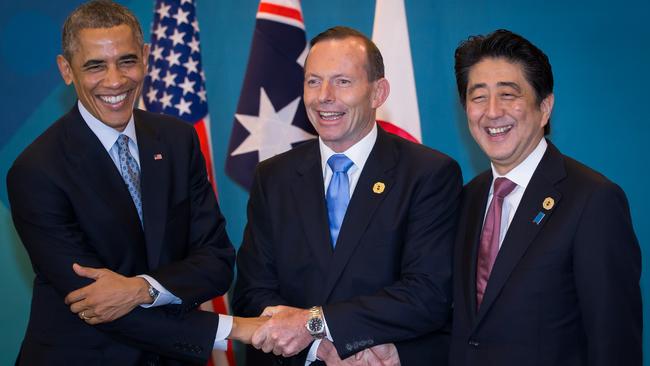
(130,56)
(510,84)
(475,86)
(90,63)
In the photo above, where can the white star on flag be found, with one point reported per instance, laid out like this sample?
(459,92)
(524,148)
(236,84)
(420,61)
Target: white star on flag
(181,16)
(169,80)
(177,37)
(160,32)
(183,106)
(173,58)
(166,100)
(194,45)
(271,133)
(157,53)
(163,11)
(187,86)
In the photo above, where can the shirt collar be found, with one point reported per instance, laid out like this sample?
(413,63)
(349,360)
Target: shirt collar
(522,173)
(107,135)
(358,152)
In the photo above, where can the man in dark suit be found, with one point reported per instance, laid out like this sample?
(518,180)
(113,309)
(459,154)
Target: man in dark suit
(546,263)
(358,255)
(118,217)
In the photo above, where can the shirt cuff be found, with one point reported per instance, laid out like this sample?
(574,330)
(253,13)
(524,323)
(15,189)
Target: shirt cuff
(223,329)
(164,296)
(313,350)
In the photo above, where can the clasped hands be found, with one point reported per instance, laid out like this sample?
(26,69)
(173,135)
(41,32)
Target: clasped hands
(279,329)
(285,334)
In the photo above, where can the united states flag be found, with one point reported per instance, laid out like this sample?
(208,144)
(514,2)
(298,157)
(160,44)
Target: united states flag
(270,117)
(175,85)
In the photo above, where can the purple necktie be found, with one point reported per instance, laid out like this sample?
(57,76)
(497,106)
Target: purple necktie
(490,236)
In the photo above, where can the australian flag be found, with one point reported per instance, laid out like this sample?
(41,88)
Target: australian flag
(270,117)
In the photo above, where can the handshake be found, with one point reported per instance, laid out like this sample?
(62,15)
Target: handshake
(282,330)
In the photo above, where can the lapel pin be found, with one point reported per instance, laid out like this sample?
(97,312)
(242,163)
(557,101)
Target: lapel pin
(539,217)
(157,156)
(378,187)
(548,203)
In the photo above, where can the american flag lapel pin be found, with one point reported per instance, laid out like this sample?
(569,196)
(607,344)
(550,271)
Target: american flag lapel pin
(157,156)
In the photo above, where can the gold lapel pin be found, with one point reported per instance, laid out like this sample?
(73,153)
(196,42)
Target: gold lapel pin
(378,187)
(548,203)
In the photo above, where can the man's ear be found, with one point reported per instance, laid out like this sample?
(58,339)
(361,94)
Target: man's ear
(380,92)
(145,55)
(65,69)
(547,108)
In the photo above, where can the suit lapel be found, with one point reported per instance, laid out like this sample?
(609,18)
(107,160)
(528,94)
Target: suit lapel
(523,229)
(476,206)
(363,204)
(154,182)
(97,169)
(309,198)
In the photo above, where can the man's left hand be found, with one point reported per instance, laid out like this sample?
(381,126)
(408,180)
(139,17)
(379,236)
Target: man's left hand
(285,333)
(110,297)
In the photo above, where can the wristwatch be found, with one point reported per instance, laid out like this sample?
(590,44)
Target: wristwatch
(153,293)
(315,325)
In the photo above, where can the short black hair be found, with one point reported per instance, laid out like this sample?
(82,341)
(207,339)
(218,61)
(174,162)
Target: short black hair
(505,44)
(375,65)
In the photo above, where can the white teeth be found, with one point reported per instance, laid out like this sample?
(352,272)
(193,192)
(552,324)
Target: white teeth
(113,99)
(498,130)
(330,115)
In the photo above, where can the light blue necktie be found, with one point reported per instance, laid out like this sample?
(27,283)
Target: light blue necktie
(338,193)
(130,172)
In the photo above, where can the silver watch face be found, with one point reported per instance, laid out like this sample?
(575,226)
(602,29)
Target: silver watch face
(315,325)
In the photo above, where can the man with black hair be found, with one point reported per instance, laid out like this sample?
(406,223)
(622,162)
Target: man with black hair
(546,262)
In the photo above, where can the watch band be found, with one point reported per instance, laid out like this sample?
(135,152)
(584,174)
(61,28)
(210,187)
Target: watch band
(316,324)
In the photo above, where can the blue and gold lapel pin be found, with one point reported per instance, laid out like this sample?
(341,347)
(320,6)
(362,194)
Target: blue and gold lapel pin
(548,204)
(378,187)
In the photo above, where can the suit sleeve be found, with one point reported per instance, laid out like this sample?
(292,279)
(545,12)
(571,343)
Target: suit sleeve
(607,264)
(208,266)
(420,302)
(257,283)
(49,230)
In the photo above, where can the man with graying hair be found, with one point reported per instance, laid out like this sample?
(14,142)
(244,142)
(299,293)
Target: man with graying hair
(118,217)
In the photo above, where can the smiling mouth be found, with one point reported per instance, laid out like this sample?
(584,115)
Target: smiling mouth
(498,131)
(330,116)
(113,99)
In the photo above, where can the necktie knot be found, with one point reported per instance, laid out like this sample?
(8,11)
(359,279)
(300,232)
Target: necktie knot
(503,187)
(339,163)
(123,142)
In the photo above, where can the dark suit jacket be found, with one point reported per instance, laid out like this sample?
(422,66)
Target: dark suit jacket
(562,292)
(389,279)
(70,204)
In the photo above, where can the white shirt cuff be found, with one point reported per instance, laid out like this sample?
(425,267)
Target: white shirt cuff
(223,329)
(164,296)
(311,356)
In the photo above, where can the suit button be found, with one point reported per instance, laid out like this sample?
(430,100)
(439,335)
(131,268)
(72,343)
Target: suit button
(473,343)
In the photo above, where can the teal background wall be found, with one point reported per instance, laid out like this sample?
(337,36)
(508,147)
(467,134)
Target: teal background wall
(599,51)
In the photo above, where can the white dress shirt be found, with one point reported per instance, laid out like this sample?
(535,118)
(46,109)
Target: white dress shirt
(520,175)
(358,153)
(107,137)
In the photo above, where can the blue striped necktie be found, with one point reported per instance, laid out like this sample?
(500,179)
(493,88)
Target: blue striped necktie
(130,172)
(338,193)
